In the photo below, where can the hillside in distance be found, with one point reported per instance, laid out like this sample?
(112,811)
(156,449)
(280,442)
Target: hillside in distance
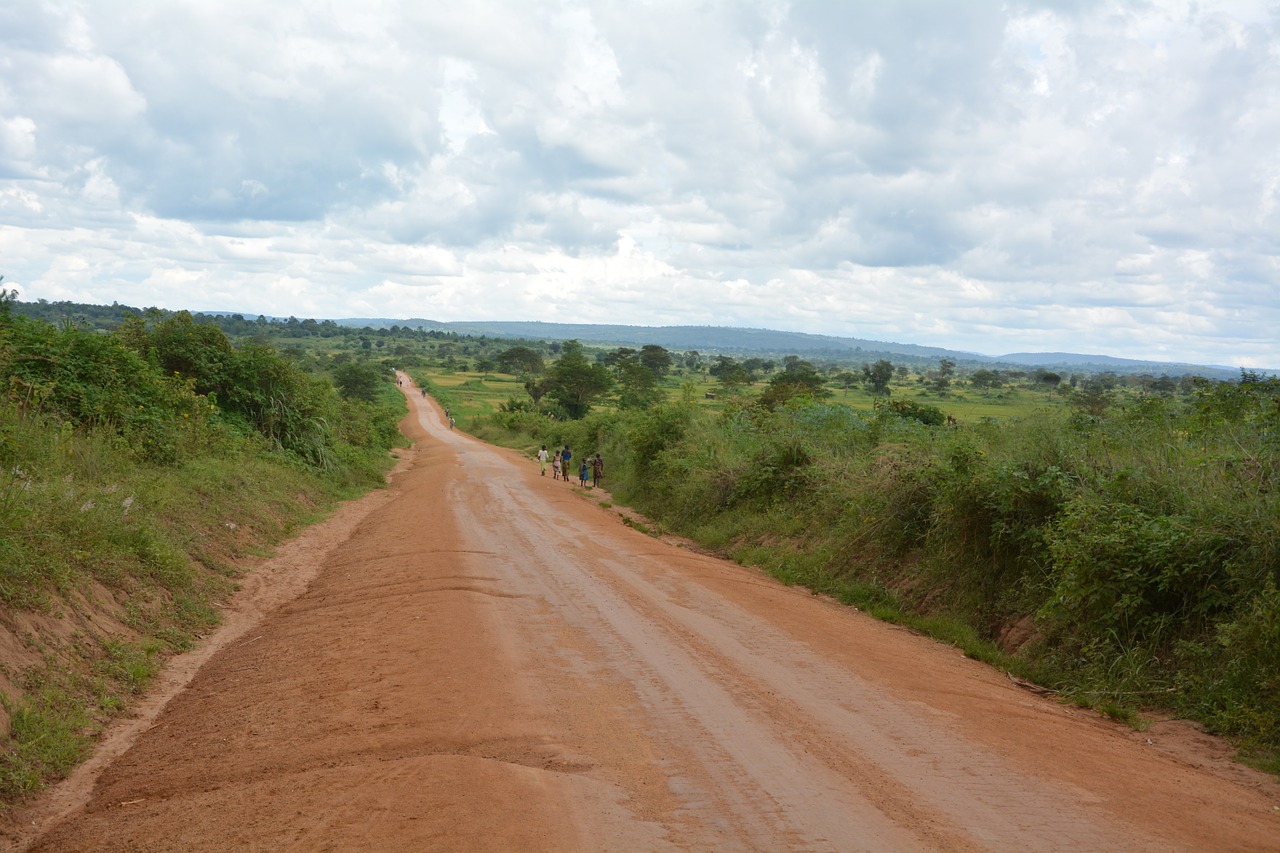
(705,339)
(710,338)
(738,341)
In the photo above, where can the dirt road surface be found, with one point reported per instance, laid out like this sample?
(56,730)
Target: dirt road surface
(482,658)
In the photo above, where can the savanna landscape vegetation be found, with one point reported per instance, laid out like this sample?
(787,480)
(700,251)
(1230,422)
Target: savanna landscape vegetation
(1114,537)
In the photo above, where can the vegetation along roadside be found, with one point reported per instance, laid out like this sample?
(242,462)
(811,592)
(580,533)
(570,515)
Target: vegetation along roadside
(1119,543)
(140,469)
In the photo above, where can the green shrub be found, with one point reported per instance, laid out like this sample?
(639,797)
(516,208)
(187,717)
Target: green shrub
(1233,681)
(136,466)
(922,412)
(1124,572)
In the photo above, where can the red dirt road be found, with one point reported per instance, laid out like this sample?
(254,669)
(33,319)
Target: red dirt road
(485,659)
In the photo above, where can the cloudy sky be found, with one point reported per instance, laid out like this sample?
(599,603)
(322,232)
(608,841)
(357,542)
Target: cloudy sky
(1095,177)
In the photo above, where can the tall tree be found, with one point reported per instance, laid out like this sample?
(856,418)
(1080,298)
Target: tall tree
(638,387)
(799,379)
(754,367)
(729,373)
(986,378)
(616,356)
(942,379)
(846,379)
(656,358)
(877,376)
(521,360)
(574,382)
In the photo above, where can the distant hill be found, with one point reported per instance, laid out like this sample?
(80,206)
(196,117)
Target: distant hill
(716,338)
(1108,362)
(706,339)
(736,341)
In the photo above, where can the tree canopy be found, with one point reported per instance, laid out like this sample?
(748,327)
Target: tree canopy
(798,379)
(521,360)
(575,384)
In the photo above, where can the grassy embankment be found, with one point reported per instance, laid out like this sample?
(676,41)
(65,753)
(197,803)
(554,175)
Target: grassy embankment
(140,472)
(1129,560)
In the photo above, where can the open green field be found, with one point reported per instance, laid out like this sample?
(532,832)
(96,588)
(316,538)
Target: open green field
(473,395)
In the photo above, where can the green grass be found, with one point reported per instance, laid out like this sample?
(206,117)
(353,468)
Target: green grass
(63,707)
(83,518)
(130,666)
(1267,761)
(137,469)
(476,394)
(46,738)
(471,396)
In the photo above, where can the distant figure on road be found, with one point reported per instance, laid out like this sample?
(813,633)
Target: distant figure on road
(565,456)
(451,423)
(597,469)
(542,460)
(583,473)
(555,466)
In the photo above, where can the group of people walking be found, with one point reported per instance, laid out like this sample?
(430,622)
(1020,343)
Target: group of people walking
(590,469)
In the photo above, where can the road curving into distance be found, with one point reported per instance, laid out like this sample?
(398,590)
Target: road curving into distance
(487,659)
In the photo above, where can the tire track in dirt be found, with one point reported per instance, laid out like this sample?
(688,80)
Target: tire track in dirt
(741,685)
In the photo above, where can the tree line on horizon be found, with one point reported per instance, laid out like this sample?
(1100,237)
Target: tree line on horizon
(376,337)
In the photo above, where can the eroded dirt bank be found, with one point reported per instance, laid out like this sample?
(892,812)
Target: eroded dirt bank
(489,661)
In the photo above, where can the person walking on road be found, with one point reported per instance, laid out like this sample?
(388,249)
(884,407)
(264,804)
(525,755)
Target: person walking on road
(583,473)
(597,469)
(542,460)
(565,456)
(555,466)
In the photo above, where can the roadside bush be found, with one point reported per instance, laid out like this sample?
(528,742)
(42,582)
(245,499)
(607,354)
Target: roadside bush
(1232,682)
(122,480)
(987,532)
(1125,573)
(359,380)
(650,434)
(889,498)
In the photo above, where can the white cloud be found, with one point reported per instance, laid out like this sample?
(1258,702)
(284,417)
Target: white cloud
(1087,176)
(589,76)
(17,139)
(460,113)
(82,90)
